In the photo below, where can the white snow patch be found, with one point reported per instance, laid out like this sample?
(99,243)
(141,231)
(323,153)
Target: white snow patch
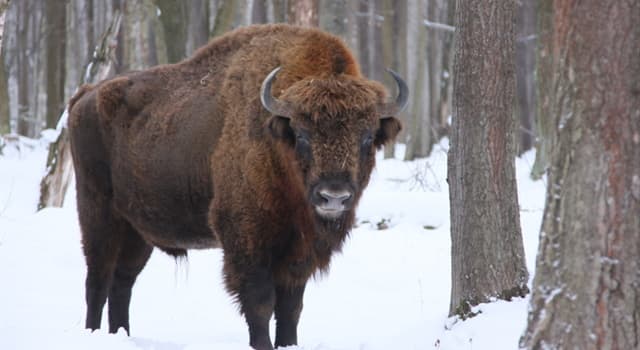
(389,289)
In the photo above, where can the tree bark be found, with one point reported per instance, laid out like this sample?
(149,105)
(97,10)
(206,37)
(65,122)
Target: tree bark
(173,16)
(4,5)
(197,25)
(525,67)
(486,240)
(55,18)
(418,123)
(303,13)
(585,291)
(545,82)
(54,184)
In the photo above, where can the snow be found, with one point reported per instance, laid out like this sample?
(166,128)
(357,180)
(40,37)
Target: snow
(389,289)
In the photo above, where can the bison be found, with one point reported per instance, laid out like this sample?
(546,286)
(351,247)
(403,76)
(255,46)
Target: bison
(261,144)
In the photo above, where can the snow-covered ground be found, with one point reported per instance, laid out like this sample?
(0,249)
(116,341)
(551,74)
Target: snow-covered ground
(389,289)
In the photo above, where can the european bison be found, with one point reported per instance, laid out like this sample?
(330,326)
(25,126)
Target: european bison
(261,144)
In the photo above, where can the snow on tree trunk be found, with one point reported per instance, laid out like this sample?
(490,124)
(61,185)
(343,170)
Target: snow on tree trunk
(586,291)
(487,249)
(54,184)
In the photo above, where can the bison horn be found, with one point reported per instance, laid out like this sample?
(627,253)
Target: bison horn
(393,108)
(269,102)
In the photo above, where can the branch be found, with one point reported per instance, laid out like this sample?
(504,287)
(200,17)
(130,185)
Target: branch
(440,26)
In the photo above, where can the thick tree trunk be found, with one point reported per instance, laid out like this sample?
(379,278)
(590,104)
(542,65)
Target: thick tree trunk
(586,292)
(54,184)
(197,25)
(487,250)
(55,12)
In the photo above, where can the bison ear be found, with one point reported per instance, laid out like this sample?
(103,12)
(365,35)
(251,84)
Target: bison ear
(389,129)
(280,129)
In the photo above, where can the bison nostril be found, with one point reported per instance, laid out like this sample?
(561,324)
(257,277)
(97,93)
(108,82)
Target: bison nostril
(335,196)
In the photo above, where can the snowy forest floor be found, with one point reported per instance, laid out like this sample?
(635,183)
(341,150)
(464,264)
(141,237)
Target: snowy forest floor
(389,289)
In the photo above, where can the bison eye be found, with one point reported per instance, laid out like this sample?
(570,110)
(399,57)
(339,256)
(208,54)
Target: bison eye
(303,146)
(367,142)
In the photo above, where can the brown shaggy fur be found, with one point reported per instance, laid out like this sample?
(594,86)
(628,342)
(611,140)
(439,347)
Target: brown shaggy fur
(185,156)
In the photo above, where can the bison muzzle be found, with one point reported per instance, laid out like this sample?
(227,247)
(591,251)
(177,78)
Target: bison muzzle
(261,144)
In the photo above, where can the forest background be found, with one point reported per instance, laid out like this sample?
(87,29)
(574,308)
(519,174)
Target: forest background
(49,43)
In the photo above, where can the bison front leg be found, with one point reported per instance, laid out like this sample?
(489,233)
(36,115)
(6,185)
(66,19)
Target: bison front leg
(287,310)
(255,292)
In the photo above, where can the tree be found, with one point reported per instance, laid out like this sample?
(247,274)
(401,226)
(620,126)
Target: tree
(55,17)
(585,291)
(487,250)
(4,4)
(173,16)
(525,64)
(545,82)
(303,13)
(53,186)
(5,126)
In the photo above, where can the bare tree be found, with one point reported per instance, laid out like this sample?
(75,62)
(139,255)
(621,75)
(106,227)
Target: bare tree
(303,12)
(173,16)
(545,82)
(525,65)
(487,250)
(5,126)
(4,4)
(53,186)
(585,291)
(55,18)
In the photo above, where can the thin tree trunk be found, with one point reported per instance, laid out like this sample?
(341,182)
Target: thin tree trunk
(197,25)
(585,291)
(24,117)
(5,123)
(5,117)
(259,11)
(486,240)
(55,12)
(418,123)
(224,18)
(525,66)
(4,5)
(54,184)
(303,13)
(545,85)
(173,16)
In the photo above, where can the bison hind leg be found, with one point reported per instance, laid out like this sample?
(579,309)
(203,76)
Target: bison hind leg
(133,256)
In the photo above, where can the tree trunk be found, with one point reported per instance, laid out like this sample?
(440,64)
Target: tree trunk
(5,123)
(303,13)
(486,241)
(55,18)
(586,292)
(54,184)
(5,117)
(545,82)
(418,124)
(197,25)
(4,5)
(224,18)
(25,124)
(525,66)
(259,11)
(399,57)
(173,16)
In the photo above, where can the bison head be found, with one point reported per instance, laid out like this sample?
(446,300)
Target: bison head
(332,126)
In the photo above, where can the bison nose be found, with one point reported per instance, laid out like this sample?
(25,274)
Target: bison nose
(335,198)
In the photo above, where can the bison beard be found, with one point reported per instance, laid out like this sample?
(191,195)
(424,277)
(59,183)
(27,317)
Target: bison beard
(260,144)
